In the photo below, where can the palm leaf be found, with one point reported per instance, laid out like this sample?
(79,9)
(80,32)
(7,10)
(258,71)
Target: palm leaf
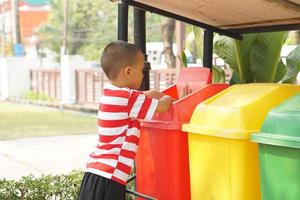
(243,49)
(281,71)
(293,66)
(256,58)
(265,56)
(182,59)
(236,55)
(198,34)
(218,75)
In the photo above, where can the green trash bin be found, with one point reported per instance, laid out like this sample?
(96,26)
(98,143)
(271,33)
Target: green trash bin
(279,152)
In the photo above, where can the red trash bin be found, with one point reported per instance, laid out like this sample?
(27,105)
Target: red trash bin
(162,165)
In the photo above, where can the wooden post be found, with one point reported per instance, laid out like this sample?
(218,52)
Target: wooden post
(180,41)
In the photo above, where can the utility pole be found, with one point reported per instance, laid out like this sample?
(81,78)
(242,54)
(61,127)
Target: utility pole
(3,28)
(15,22)
(65,32)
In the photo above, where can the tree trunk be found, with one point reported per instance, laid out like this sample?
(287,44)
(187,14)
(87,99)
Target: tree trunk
(167,31)
(16,22)
(65,30)
(297,37)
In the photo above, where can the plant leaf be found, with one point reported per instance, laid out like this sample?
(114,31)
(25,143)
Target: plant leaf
(183,59)
(281,71)
(236,55)
(265,56)
(243,49)
(234,78)
(293,66)
(198,34)
(218,75)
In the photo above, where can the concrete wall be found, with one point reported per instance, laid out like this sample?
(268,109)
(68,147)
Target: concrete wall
(15,77)
(68,66)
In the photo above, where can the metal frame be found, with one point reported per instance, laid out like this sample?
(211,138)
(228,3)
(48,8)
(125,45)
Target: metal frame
(140,195)
(140,41)
(287,27)
(123,22)
(132,178)
(208,48)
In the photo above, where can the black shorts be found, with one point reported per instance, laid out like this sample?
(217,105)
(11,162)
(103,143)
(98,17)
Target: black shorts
(94,187)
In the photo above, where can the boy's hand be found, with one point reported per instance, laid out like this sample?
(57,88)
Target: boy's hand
(164,101)
(186,90)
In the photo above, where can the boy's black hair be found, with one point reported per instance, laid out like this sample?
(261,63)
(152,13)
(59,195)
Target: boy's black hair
(117,55)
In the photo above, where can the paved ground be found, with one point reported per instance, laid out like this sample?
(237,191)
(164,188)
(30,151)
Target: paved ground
(44,155)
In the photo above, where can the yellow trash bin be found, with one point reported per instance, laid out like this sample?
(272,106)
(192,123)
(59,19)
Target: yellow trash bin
(223,161)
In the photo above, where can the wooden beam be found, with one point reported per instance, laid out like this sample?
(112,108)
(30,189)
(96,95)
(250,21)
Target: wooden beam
(183,19)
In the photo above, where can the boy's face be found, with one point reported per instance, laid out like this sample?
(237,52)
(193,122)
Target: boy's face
(136,75)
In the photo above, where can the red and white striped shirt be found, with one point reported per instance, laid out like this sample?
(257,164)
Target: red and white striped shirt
(119,131)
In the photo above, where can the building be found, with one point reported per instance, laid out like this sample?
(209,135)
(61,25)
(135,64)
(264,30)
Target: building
(32,13)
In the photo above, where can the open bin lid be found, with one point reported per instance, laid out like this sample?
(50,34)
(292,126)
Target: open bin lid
(194,77)
(238,111)
(181,110)
(282,125)
(198,78)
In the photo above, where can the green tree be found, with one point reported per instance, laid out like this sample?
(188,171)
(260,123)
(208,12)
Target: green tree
(91,25)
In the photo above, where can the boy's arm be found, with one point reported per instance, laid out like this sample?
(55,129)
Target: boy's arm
(164,104)
(164,101)
(153,94)
(143,107)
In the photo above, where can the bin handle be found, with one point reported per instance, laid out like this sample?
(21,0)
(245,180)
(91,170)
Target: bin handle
(131,178)
(140,195)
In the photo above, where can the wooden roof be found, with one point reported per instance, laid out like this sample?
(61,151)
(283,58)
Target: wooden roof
(236,16)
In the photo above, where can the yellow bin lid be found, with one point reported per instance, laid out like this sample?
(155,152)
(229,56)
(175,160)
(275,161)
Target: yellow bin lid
(239,110)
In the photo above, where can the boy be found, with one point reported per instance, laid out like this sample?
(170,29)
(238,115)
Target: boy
(120,108)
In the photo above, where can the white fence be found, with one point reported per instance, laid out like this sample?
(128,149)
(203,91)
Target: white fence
(19,75)
(71,83)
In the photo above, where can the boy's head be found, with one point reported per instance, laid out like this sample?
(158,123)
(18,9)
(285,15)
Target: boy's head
(123,64)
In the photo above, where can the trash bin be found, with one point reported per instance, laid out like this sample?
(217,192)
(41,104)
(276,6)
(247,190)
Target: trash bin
(223,161)
(279,152)
(162,159)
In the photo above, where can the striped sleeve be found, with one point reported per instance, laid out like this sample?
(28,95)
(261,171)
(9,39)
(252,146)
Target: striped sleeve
(140,106)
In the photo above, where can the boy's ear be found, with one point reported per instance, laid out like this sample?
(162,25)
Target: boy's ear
(127,71)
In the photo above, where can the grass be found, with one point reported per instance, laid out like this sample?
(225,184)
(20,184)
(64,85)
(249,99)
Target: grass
(20,121)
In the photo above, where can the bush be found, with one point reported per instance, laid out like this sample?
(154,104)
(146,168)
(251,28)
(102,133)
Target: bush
(47,187)
(36,96)
(59,187)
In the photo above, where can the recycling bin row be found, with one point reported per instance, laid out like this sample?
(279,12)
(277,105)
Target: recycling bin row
(222,143)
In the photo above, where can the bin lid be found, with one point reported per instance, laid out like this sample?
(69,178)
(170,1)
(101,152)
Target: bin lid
(181,110)
(194,77)
(282,125)
(238,111)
